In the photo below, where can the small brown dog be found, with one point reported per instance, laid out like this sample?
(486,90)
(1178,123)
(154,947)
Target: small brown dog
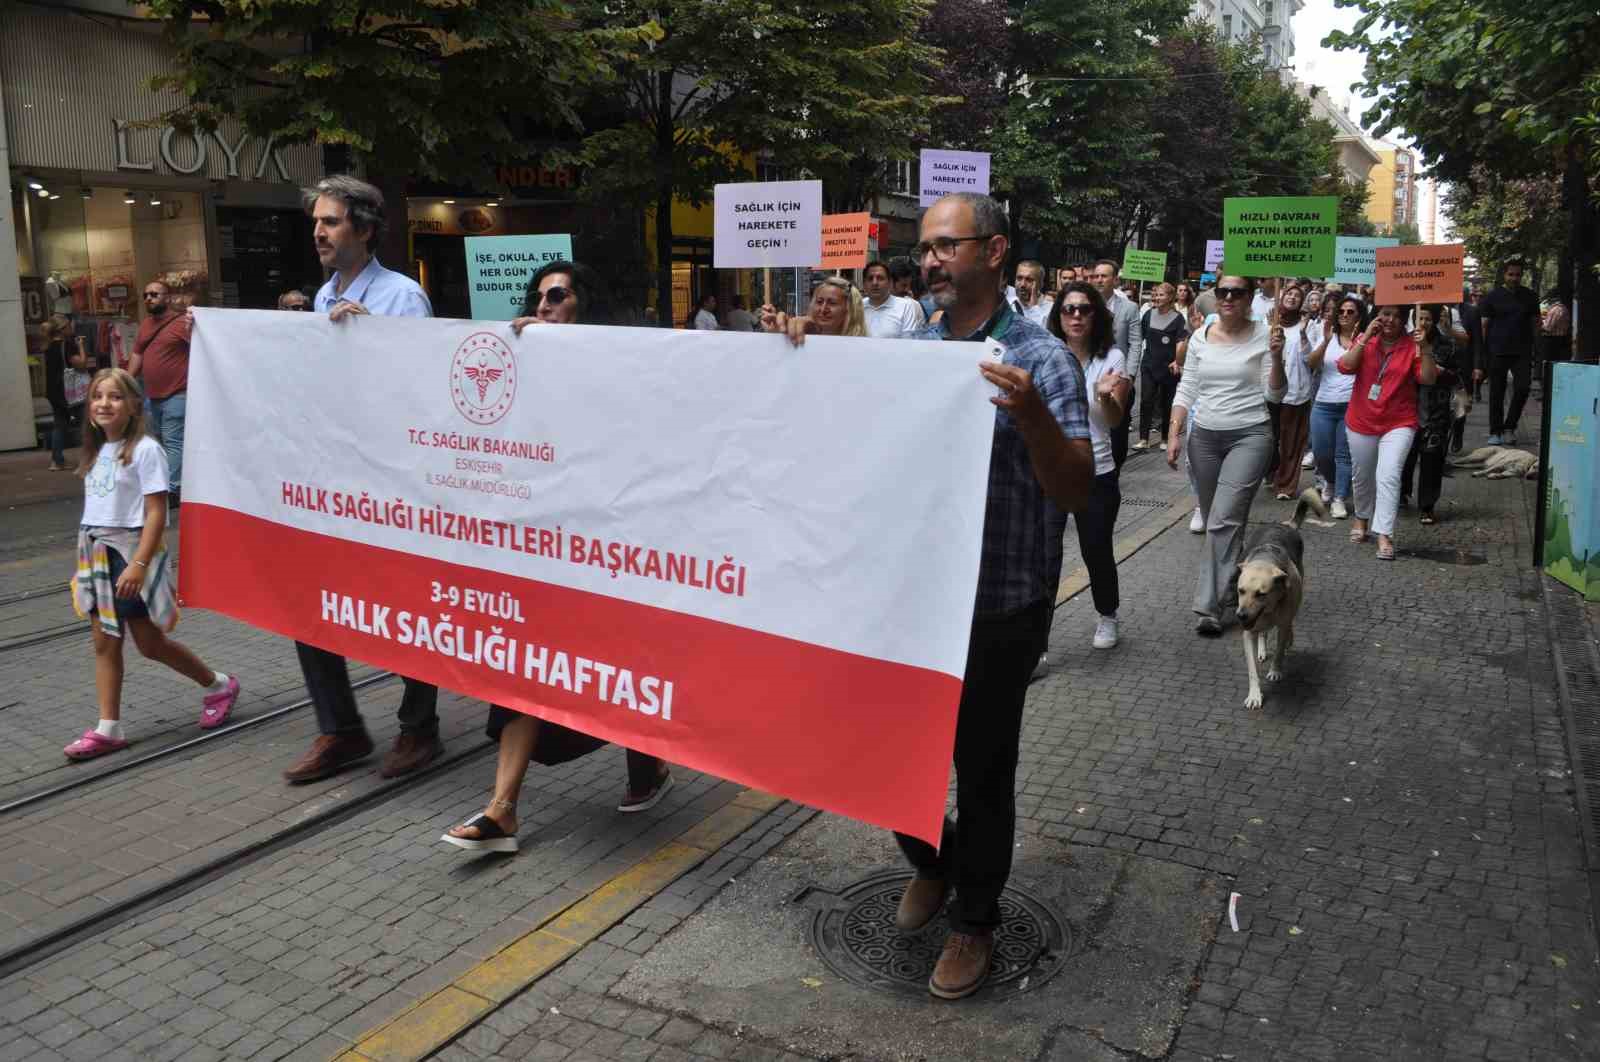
(1271,587)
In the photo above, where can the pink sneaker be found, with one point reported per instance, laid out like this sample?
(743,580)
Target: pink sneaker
(218,705)
(93,744)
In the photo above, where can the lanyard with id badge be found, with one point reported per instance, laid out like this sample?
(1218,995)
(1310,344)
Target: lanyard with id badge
(1377,384)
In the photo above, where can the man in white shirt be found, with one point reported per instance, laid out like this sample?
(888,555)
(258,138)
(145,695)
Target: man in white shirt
(1266,298)
(1030,292)
(705,318)
(888,316)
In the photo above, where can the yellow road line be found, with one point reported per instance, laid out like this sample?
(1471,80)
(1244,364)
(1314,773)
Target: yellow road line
(436,1019)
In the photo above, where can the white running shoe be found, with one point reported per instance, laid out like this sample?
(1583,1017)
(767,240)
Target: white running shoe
(1105,633)
(1140,445)
(1041,669)
(1197,523)
(1338,510)
(1309,460)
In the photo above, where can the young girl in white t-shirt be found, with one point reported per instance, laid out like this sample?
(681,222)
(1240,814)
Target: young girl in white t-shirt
(124,578)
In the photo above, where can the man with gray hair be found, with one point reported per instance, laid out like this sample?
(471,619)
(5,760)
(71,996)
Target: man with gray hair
(349,222)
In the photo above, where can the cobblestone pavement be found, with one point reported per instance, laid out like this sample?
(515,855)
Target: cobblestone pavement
(1398,823)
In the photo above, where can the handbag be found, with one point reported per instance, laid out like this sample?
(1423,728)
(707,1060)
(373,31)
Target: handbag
(75,385)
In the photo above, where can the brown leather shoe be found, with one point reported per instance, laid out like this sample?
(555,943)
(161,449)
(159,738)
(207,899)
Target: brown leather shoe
(923,899)
(329,754)
(963,965)
(411,752)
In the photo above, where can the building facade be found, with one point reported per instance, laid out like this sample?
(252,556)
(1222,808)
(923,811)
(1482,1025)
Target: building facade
(1393,184)
(102,197)
(1269,21)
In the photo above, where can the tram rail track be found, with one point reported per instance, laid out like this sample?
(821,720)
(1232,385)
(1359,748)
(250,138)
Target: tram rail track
(22,956)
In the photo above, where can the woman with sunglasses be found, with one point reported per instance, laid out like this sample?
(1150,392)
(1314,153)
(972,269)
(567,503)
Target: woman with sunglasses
(1330,446)
(559,293)
(836,310)
(1081,320)
(1387,365)
(1232,369)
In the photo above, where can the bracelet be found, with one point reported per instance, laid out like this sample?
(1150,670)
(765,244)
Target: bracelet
(141,564)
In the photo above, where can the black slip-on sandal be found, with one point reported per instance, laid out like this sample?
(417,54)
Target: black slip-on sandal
(491,837)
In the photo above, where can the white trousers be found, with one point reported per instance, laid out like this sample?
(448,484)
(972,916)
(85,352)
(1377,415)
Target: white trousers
(1376,462)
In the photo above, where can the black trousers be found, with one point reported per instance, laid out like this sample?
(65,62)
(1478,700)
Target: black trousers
(1520,368)
(1155,402)
(1427,471)
(558,744)
(975,852)
(1096,525)
(1272,458)
(328,684)
(1119,434)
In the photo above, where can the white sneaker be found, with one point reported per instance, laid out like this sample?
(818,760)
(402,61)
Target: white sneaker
(1338,509)
(1140,445)
(1105,633)
(1041,669)
(1309,460)
(1197,523)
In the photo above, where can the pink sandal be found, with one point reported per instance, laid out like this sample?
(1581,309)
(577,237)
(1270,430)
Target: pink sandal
(93,744)
(215,710)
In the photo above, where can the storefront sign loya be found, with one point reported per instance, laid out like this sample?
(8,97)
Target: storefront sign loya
(185,153)
(734,587)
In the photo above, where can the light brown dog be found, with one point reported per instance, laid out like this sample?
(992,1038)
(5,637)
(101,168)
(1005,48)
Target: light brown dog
(1271,587)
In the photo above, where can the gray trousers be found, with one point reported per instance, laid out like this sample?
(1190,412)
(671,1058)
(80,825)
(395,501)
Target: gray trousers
(1228,467)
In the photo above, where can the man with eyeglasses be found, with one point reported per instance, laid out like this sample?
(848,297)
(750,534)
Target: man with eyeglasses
(160,362)
(294,299)
(349,222)
(1041,460)
(1126,336)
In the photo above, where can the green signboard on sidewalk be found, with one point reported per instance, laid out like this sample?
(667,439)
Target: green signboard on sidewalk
(1144,265)
(1279,236)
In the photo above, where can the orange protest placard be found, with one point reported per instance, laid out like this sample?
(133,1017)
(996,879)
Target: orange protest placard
(1429,273)
(844,241)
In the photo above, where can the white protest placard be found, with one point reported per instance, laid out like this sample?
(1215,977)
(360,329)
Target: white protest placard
(1213,255)
(943,172)
(767,224)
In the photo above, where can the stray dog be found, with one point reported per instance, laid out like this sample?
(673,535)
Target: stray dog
(1510,464)
(1271,586)
(1501,462)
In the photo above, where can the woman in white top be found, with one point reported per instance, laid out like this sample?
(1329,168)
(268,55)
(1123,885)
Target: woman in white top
(1347,318)
(1232,369)
(1081,320)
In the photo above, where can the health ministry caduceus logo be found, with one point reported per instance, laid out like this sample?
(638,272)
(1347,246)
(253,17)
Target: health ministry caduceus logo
(483,378)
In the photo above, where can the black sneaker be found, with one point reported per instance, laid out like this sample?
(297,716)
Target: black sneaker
(632,801)
(1209,627)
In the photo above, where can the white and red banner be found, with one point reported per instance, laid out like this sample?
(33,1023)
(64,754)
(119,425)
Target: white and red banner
(750,559)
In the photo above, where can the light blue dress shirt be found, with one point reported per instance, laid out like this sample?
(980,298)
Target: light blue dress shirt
(382,291)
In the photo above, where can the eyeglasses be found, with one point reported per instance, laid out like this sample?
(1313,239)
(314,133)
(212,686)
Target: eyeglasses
(306,306)
(1349,311)
(555,295)
(1076,309)
(152,294)
(944,247)
(1232,293)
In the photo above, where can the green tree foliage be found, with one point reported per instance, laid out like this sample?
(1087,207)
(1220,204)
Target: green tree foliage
(1509,85)
(409,87)
(1497,218)
(830,88)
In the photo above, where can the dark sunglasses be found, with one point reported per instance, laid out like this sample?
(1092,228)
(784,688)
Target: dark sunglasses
(152,294)
(555,295)
(1349,311)
(1076,309)
(306,306)
(1233,293)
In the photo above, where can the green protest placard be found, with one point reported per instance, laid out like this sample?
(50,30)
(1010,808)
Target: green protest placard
(1144,265)
(1279,236)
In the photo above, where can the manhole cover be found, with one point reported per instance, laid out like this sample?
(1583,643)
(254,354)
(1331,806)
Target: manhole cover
(1446,556)
(855,935)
